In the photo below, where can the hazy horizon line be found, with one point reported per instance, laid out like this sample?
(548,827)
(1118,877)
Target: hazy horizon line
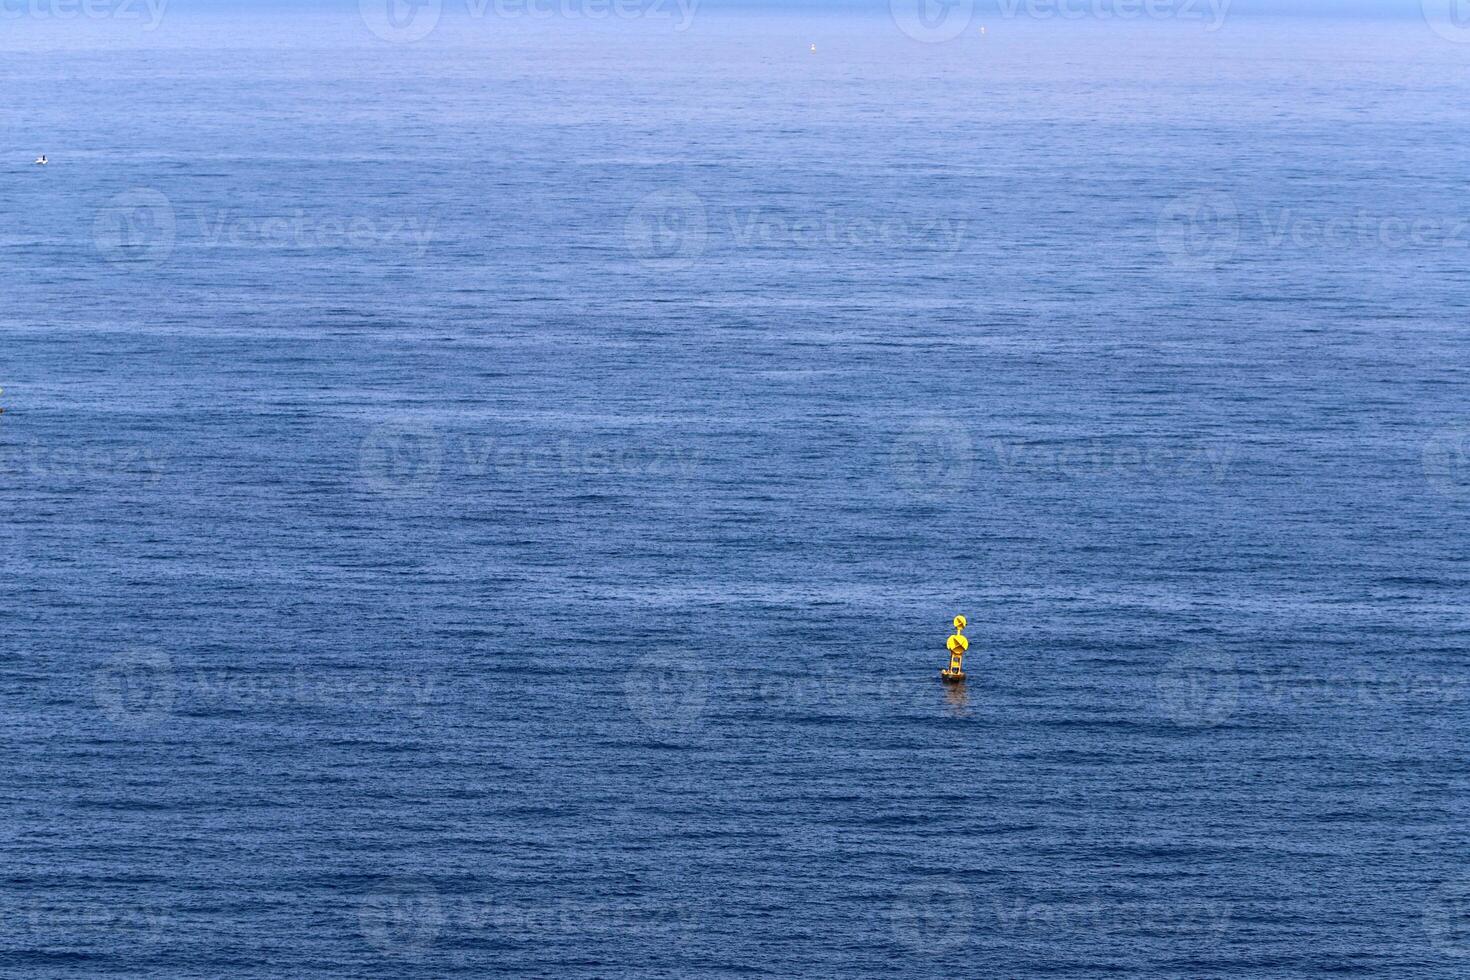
(1335,9)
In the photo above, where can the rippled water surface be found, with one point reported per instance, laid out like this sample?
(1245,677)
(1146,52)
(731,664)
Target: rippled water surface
(496,504)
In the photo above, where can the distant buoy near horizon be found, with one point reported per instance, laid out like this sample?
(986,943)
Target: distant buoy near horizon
(814,49)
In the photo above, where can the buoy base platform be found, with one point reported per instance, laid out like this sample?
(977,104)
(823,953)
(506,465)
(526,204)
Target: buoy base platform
(952,676)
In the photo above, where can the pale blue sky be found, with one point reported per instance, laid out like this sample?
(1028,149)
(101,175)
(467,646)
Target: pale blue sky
(1356,8)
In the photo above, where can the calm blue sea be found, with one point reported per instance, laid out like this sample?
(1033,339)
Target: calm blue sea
(493,504)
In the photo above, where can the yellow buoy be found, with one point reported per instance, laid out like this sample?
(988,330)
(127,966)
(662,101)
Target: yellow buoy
(957,646)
